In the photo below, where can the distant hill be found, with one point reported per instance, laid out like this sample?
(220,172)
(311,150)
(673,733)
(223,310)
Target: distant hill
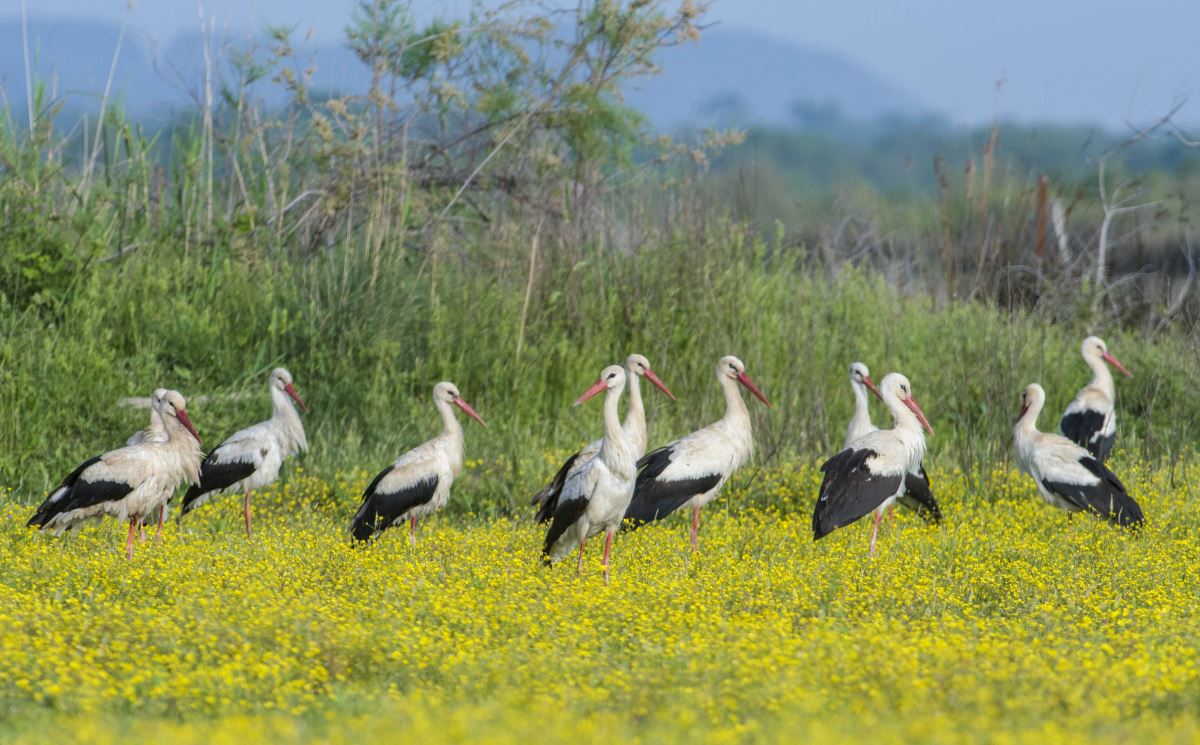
(743,78)
(729,77)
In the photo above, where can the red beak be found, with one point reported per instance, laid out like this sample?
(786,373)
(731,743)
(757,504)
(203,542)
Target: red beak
(870,384)
(295,396)
(1115,363)
(466,407)
(596,388)
(911,403)
(658,383)
(745,380)
(187,423)
(1024,408)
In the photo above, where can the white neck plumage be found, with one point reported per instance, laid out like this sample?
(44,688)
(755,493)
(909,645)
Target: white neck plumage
(285,420)
(616,450)
(635,417)
(1102,379)
(907,428)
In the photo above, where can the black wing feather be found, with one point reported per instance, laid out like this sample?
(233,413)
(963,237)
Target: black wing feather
(215,475)
(849,491)
(380,509)
(547,498)
(1083,429)
(1108,499)
(918,496)
(50,506)
(655,498)
(565,516)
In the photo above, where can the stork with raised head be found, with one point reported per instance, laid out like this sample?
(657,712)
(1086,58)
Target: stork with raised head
(918,495)
(1090,420)
(1068,476)
(634,426)
(250,458)
(127,483)
(690,471)
(594,498)
(418,483)
(870,474)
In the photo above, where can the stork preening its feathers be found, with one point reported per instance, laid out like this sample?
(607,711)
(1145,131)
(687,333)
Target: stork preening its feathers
(130,482)
(1068,476)
(918,494)
(594,498)
(1090,420)
(870,473)
(691,470)
(636,367)
(418,483)
(250,458)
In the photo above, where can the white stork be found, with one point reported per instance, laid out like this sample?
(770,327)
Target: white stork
(636,367)
(129,482)
(594,498)
(418,483)
(918,496)
(871,472)
(1090,420)
(691,470)
(155,432)
(250,458)
(1067,475)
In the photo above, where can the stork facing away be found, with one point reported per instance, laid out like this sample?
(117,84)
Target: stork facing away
(1090,420)
(870,474)
(691,470)
(1068,476)
(418,483)
(130,482)
(636,367)
(918,496)
(250,458)
(594,498)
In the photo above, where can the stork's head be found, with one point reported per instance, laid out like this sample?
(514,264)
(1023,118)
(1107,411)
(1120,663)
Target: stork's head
(447,392)
(1033,397)
(895,387)
(281,380)
(731,368)
(860,375)
(636,364)
(612,378)
(175,407)
(158,399)
(1094,348)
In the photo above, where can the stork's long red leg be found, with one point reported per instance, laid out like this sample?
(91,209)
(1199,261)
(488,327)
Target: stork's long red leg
(608,536)
(246,512)
(133,522)
(141,530)
(875,530)
(579,567)
(891,514)
(162,515)
(412,530)
(695,526)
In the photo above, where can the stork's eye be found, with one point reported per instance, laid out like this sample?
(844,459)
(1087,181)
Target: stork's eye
(611,376)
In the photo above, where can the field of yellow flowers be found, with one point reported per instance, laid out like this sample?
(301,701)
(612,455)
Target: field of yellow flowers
(1004,624)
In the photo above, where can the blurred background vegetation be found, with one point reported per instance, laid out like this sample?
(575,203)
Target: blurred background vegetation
(491,209)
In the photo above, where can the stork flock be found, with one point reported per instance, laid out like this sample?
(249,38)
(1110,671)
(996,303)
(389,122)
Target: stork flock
(612,484)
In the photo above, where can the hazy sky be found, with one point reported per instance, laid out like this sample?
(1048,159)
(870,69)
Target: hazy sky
(1060,59)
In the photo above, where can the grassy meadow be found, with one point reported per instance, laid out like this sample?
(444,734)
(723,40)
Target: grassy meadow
(1002,625)
(497,217)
